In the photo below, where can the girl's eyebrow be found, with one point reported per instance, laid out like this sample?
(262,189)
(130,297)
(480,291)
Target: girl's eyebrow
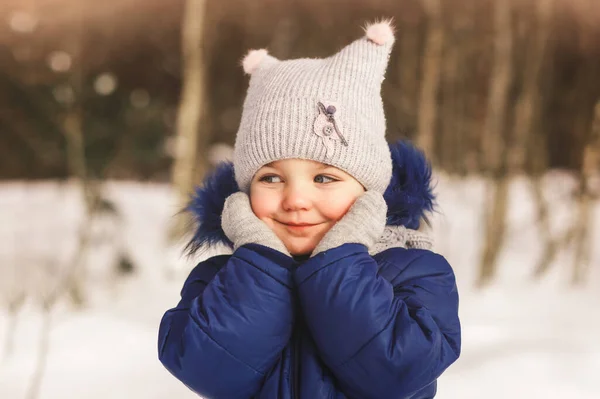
(324,166)
(269,165)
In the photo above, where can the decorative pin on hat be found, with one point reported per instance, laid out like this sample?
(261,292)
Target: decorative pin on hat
(327,128)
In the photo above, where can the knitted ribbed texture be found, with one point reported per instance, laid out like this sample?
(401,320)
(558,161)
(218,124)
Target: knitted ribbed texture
(282,105)
(242,226)
(363,224)
(401,237)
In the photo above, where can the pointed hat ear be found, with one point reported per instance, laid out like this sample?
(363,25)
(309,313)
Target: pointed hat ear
(253,59)
(381,32)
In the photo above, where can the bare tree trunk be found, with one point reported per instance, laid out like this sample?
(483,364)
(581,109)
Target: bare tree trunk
(495,229)
(432,64)
(451,146)
(582,232)
(76,160)
(528,105)
(500,80)
(551,245)
(186,165)
(14,306)
(405,99)
(472,93)
(35,385)
(531,139)
(495,150)
(583,228)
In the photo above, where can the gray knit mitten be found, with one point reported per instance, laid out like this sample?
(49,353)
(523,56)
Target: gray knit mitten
(242,226)
(363,224)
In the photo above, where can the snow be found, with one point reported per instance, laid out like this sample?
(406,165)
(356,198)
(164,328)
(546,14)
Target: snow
(521,338)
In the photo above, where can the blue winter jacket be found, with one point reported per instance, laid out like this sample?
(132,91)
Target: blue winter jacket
(342,324)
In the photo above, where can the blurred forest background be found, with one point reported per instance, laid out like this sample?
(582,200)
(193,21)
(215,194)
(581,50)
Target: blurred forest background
(151,91)
(521,75)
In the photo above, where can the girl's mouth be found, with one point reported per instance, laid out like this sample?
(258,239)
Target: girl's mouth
(299,226)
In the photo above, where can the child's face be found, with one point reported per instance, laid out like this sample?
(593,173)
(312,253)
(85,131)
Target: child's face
(301,200)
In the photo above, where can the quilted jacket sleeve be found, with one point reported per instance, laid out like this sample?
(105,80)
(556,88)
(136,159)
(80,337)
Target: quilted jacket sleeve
(233,320)
(381,339)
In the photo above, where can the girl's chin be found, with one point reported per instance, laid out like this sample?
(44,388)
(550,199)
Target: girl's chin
(298,250)
(300,257)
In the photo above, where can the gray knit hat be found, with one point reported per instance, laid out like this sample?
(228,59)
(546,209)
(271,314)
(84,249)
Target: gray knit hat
(327,110)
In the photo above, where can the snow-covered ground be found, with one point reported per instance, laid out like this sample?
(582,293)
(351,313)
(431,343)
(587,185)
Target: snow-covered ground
(521,339)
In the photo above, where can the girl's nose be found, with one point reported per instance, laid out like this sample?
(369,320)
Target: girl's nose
(296,198)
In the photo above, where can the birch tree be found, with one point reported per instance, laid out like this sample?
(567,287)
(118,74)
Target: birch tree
(187,166)
(432,64)
(494,143)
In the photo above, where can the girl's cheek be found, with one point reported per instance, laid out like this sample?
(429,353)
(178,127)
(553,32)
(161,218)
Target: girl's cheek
(262,204)
(336,209)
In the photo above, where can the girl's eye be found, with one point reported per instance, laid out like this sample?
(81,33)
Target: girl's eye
(270,179)
(324,179)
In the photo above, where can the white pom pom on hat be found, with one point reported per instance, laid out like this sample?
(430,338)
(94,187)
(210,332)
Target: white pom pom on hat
(381,32)
(253,59)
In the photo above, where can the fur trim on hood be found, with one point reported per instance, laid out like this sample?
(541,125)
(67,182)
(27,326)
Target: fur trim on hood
(409,196)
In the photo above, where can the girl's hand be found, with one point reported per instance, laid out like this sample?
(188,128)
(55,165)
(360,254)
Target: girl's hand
(363,224)
(242,226)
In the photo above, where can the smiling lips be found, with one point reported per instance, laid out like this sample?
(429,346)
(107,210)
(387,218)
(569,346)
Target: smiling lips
(298,226)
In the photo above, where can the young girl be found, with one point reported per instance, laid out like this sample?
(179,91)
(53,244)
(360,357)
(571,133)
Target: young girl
(331,292)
